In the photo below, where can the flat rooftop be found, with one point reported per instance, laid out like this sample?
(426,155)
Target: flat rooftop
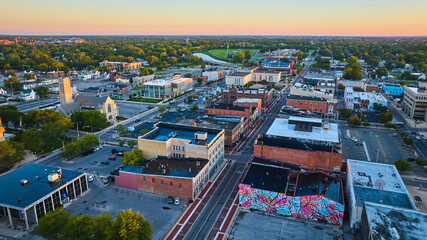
(37,187)
(386,221)
(247,100)
(158,82)
(378,183)
(165,131)
(229,107)
(176,167)
(293,144)
(271,178)
(318,183)
(309,98)
(285,128)
(253,225)
(416,90)
(239,74)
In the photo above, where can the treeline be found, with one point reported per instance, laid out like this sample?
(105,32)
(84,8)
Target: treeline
(58,224)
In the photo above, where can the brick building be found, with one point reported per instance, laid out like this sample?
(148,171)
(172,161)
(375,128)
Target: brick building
(325,108)
(311,156)
(229,110)
(58,74)
(178,177)
(248,102)
(231,94)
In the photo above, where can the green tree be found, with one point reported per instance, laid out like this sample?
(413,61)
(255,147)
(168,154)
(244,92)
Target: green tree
(351,60)
(406,75)
(134,158)
(32,139)
(381,72)
(345,113)
(161,109)
(102,227)
(238,57)
(420,162)
(12,83)
(42,91)
(10,154)
(354,72)
(9,113)
(341,86)
(194,109)
(79,227)
(122,130)
(121,143)
(129,226)
(385,117)
(408,141)
(354,121)
(52,224)
(29,76)
(403,165)
(132,143)
(300,68)
(300,55)
(366,123)
(80,146)
(247,55)
(144,71)
(188,75)
(90,119)
(390,125)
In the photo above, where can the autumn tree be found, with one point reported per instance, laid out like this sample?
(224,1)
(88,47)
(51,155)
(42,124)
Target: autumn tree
(129,226)
(134,158)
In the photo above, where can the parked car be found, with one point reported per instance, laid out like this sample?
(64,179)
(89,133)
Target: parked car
(119,167)
(113,151)
(105,163)
(115,172)
(411,159)
(110,178)
(170,200)
(176,200)
(90,178)
(112,158)
(120,154)
(418,137)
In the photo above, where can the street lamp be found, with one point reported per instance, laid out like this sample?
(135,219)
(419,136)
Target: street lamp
(63,144)
(78,135)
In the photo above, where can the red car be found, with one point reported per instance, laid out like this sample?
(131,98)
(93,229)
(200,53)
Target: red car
(112,158)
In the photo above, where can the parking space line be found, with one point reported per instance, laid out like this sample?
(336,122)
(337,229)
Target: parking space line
(381,146)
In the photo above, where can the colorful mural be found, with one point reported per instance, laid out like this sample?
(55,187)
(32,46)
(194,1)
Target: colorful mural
(314,207)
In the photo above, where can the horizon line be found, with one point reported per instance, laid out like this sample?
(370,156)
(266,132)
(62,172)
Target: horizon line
(212,35)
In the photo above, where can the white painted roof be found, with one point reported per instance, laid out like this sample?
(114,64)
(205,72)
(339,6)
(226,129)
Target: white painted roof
(247,100)
(282,128)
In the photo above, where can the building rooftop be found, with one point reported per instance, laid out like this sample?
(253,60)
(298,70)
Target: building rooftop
(267,177)
(16,195)
(229,107)
(308,98)
(165,131)
(90,100)
(379,183)
(415,90)
(318,183)
(293,144)
(305,129)
(386,222)
(158,82)
(165,166)
(247,100)
(239,74)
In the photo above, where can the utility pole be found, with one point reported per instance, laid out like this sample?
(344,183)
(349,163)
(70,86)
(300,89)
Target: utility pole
(78,135)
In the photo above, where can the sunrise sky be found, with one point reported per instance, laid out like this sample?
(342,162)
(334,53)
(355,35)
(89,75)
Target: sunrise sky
(215,17)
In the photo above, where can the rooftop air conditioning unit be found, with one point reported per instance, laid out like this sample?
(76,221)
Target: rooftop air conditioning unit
(53,177)
(24,182)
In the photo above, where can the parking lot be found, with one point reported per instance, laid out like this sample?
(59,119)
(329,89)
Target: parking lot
(384,146)
(92,162)
(350,149)
(102,199)
(130,109)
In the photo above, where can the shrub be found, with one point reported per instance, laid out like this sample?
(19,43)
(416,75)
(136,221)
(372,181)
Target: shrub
(408,141)
(390,125)
(354,121)
(420,162)
(403,165)
(366,123)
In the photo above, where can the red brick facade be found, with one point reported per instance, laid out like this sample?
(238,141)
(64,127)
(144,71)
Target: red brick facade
(319,106)
(249,104)
(228,96)
(163,185)
(308,159)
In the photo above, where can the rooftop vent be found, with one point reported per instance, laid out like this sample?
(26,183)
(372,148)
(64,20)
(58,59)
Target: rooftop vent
(24,182)
(53,177)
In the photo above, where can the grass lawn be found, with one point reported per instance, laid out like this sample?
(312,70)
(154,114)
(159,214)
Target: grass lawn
(221,54)
(397,75)
(137,88)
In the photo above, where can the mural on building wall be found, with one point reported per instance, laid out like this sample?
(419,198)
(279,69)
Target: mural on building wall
(308,207)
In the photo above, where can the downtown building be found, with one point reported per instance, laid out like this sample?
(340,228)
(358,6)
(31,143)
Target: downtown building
(321,107)
(306,142)
(231,94)
(414,102)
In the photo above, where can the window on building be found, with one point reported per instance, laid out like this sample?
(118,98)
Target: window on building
(161,181)
(144,178)
(180,185)
(171,184)
(152,180)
